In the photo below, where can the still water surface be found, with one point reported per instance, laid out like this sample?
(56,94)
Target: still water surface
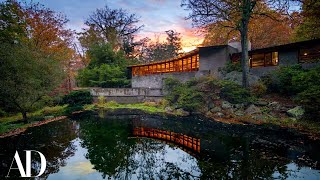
(100,146)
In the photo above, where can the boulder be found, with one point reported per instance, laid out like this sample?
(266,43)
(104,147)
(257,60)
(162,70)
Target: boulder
(274,105)
(239,113)
(252,109)
(168,109)
(239,106)
(219,114)
(226,105)
(209,114)
(261,103)
(182,112)
(296,112)
(210,105)
(236,77)
(216,109)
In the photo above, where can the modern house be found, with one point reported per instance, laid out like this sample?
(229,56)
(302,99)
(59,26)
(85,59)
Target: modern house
(207,61)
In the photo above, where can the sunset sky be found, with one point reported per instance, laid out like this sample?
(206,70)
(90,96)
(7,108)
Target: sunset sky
(156,15)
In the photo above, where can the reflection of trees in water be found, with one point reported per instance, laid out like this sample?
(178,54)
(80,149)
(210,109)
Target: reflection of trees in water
(241,159)
(115,155)
(52,140)
(226,151)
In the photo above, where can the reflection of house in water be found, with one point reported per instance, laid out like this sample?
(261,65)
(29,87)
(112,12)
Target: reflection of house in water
(184,141)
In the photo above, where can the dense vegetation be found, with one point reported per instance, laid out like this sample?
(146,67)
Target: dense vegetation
(193,95)
(34,51)
(106,69)
(303,85)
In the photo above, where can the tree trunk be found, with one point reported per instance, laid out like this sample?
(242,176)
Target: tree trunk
(244,54)
(25,118)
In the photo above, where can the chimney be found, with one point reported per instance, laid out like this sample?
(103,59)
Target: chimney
(237,45)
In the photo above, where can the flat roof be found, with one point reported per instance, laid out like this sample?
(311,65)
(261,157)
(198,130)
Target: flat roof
(184,55)
(290,46)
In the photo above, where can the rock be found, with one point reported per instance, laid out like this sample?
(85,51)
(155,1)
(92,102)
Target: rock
(274,105)
(216,109)
(209,114)
(239,113)
(182,112)
(296,112)
(210,105)
(261,103)
(252,109)
(226,105)
(237,77)
(219,114)
(259,117)
(168,109)
(239,106)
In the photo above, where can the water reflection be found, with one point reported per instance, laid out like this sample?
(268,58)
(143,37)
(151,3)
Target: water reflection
(181,140)
(93,147)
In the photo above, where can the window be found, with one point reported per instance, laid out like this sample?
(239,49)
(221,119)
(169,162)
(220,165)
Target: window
(257,60)
(309,55)
(264,59)
(189,63)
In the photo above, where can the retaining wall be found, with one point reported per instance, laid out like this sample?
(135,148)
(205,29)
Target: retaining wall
(127,95)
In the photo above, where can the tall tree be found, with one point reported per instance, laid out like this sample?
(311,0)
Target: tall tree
(114,25)
(32,44)
(157,51)
(309,28)
(262,32)
(234,14)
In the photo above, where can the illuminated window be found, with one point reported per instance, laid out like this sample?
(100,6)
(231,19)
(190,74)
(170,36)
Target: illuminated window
(309,55)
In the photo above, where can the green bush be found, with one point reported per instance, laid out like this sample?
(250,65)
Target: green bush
(258,89)
(310,99)
(302,85)
(229,67)
(280,80)
(2,113)
(77,98)
(234,93)
(190,99)
(70,109)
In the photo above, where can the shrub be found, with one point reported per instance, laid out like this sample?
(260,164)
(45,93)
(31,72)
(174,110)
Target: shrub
(258,89)
(171,83)
(78,98)
(52,110)
(234,93)
(2,113)
(190,99)
(101,99)
(306,79)
(310,99)
(229,67)
(280,80)
(163,103)
(112,104)
(70,109)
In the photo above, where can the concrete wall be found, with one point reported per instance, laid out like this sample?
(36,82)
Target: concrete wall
(288,57)
(127,95)
(156,80)
(260,71)
(214,58)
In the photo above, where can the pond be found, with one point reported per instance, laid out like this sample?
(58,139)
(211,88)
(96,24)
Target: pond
(107,146)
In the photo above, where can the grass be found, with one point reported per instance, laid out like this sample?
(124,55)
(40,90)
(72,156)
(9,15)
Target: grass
(149,107)
(15,121)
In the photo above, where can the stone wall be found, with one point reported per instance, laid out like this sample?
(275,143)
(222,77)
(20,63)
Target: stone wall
(127,95)
(213,58)
(156,80)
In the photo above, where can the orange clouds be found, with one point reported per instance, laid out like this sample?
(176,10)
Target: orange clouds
(189,39)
